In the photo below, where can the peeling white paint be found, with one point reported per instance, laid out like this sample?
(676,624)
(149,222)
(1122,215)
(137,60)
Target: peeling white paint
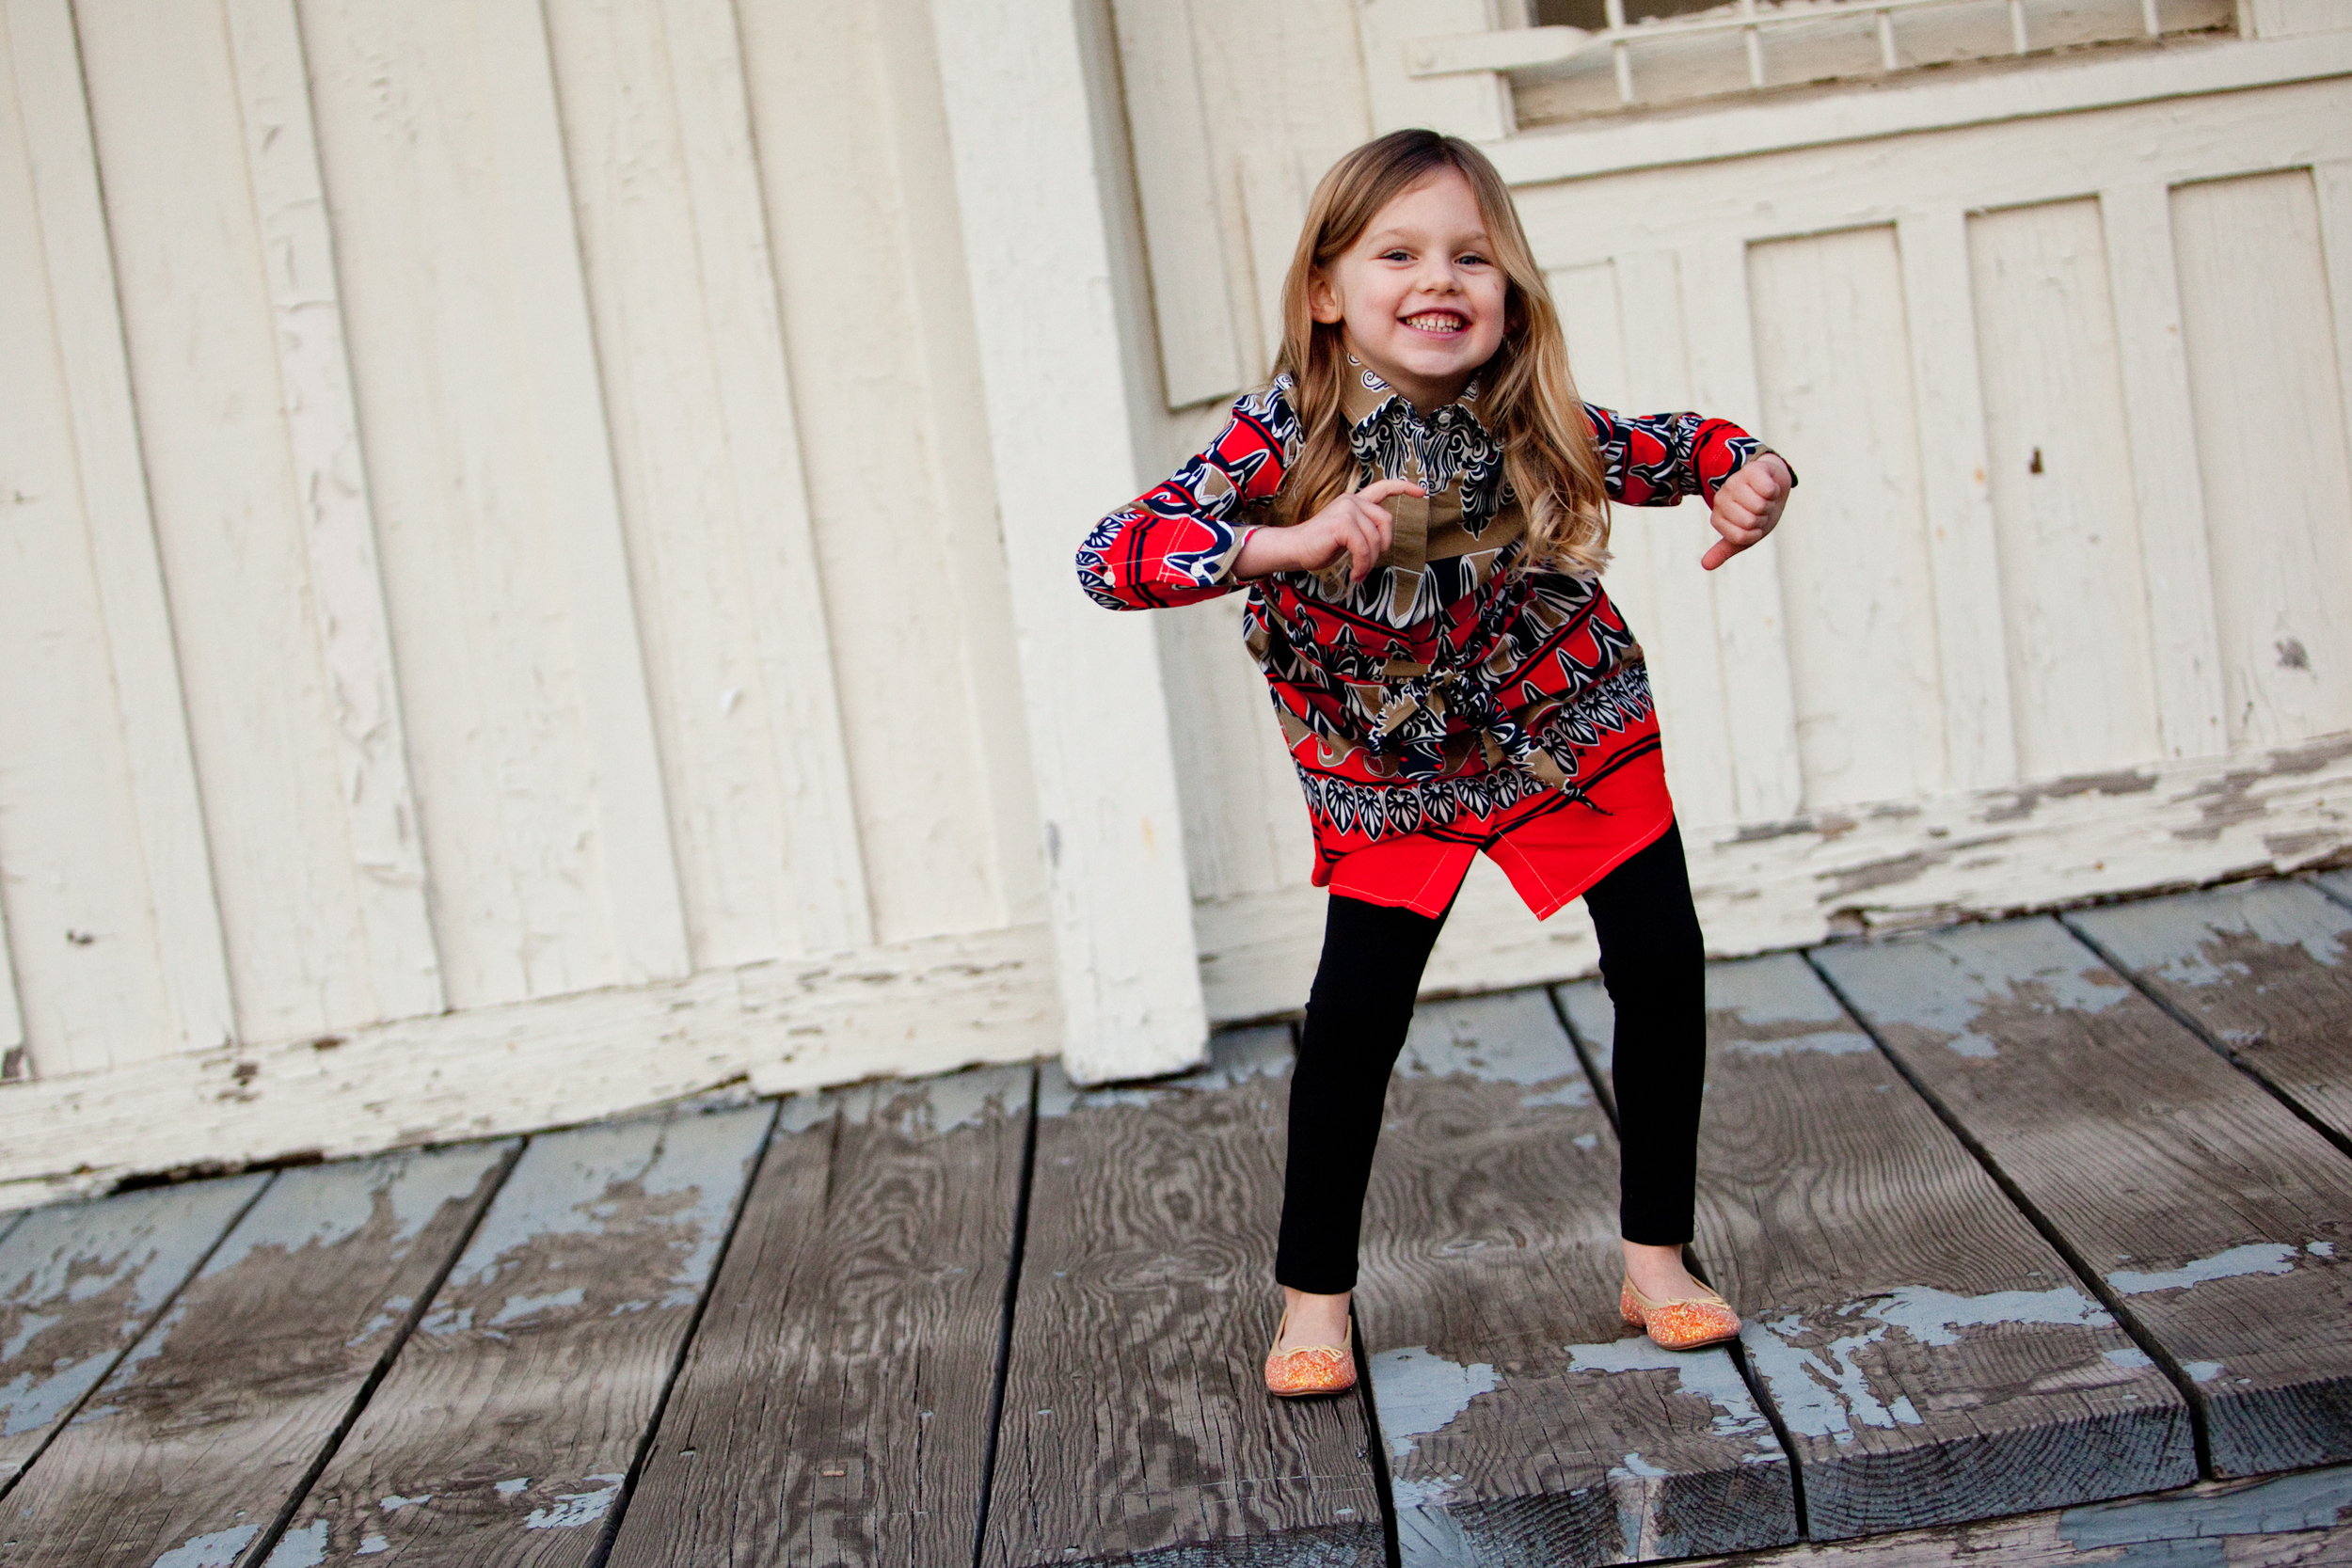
(2131,1355)
(2202,1372)
(396,1502)
(575,1509)
(1419,1393)
(2254,1258)
(1816,1380)
(217,1550)
(372,1546)
(1828,1042)
(519,1308)
(305,1547)
(1514,1039)
(513,1484)
(1706,1374)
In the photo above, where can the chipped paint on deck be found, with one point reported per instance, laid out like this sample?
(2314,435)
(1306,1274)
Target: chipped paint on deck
(2254,1258)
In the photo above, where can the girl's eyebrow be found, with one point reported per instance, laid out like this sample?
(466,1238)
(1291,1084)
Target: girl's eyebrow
(1382,239)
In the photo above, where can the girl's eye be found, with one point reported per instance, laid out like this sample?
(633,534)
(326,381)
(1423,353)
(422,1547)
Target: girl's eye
(1472,258)
(1395,254)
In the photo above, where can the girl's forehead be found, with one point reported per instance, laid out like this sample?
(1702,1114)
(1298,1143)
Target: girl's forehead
(1443,200)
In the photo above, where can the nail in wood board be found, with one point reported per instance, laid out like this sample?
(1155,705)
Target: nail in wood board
(2216,1224)
(1931,1358)
(834,1407)
(78,1283)
(511,1419)
(210,1424)
(1525,1423)
(2263,968)
(1137,1425)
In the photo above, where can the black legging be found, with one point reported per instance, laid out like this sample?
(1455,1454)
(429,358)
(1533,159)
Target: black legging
(1652,959)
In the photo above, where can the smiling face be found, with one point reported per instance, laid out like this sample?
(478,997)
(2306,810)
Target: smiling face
(1419,295)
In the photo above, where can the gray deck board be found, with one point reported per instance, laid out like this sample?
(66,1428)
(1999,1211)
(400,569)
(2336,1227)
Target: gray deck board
(2217,1223)
(1137,1426)
(2338,885)
(2263,968)
(210,1426)
(834,1408)
(516,1408)
(1927,1350)
(1524,1422)
(80,1282)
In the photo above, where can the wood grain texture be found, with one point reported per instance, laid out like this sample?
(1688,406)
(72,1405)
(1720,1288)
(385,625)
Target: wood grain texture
(834,1408)
(210,1424)
(2262,1524)
(1929,1355)
(79,1283)
(2264,969)
(1524,1422)
(188,972)
(519,1407)
(1136,1427)
(2214,1223)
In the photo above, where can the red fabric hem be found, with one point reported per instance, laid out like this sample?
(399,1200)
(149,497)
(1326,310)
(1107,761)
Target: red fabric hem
(1533,872)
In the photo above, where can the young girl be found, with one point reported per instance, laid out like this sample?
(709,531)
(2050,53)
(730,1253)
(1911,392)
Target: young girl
(1418,507)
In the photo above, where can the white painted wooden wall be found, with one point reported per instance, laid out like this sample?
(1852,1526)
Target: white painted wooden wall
(505,611)
(534,534)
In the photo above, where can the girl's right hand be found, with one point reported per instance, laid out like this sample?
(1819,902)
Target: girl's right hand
(1354,525)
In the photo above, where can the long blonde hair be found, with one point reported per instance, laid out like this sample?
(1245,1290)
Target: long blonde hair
(1526,397)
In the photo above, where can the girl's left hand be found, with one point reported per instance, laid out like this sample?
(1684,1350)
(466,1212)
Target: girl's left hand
(1746,506)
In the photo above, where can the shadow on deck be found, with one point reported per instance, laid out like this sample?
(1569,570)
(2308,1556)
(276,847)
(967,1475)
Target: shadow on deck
(2042,1232)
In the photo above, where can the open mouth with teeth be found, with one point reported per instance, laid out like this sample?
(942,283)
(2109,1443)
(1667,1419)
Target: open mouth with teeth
(1442,321)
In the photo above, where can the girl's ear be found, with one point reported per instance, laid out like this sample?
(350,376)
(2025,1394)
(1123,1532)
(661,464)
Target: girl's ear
(1323,300)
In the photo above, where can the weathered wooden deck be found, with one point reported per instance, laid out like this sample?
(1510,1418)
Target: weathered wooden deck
(2042,1229)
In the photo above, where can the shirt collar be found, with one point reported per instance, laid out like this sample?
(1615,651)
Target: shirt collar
(1363,397)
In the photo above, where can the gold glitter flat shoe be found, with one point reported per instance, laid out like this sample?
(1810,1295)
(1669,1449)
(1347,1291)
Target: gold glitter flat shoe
(1310,1369)
(1685,1322)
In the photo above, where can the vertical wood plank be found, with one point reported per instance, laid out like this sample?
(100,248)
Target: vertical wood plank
(524,1399)
(1964,551)
(2331,187)
(1751,608)
(70,851)
(200,1437)
(80,1282)
(14,1062)
(1045,286)
(1524,1422)
(330,481)
(2186,638)
(834,1408)
(2265,380)
(827,867)
(2068,577)
(81,269)
(1175,178)
(1683,644)
(1829,331)
(708,467)
(642,901)
(1135,1426)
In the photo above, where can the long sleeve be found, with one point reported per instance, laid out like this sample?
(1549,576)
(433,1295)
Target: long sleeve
(1178,541)
(1658,459)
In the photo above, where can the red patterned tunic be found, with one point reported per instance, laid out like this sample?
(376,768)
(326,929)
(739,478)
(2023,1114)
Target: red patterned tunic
(1451,702)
